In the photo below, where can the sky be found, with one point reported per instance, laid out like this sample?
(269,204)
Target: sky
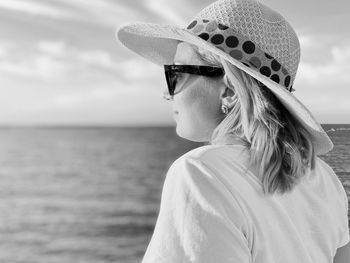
(60,63)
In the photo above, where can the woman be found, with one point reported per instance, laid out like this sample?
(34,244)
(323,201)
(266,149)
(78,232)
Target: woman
(257,192)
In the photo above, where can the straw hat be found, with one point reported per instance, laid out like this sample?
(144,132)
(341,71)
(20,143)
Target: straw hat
(246,33)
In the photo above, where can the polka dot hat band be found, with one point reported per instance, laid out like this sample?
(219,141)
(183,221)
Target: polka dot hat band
(246,33)
(242,49)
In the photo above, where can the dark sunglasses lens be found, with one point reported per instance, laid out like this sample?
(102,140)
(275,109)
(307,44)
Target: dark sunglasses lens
(171,72)
(171,81)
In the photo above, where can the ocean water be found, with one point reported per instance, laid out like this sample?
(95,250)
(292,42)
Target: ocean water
(93,194)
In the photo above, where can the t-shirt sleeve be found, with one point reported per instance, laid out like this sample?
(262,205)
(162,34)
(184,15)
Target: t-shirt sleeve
(199,221)
(342,219)
(345,220)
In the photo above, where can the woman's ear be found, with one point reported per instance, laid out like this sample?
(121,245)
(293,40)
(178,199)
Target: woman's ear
(226,90)
(227,94)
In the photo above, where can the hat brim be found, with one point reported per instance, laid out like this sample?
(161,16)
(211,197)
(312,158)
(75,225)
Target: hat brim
(158,43)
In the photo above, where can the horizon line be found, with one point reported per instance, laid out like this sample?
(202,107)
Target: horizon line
(90,125)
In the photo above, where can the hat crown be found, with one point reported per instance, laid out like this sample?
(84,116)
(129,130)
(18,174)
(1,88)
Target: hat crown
(262,25)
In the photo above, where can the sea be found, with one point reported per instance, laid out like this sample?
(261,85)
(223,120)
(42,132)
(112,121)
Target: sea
(92,194)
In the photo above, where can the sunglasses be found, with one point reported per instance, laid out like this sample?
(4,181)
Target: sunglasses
(172,74)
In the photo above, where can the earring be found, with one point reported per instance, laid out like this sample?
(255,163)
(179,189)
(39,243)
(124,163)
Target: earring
(227,104)
(224,108)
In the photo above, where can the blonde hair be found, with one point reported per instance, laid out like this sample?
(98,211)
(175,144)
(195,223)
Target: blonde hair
(280,147)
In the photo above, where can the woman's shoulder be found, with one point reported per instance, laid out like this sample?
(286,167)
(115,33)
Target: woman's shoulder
(329,177)
(209,153)
(211,160)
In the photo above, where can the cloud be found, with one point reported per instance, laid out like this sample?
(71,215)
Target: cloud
(334,70)
(107,13)
(93,103)
(22,63)
(322,81)
(55,48)
(56,61)
(60,50)
(52,60)
(78,98)
(35,8)
(5,47)
(305,41)
(136,70)
(95,12)
(166,10)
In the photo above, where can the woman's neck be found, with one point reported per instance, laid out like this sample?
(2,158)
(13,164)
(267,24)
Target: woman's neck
(228,139)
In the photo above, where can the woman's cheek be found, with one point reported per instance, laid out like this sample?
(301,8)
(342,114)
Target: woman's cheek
(204,105)
(198,99)
(190,97)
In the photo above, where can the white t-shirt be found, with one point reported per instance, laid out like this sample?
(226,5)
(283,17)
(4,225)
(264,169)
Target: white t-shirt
(213,210)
